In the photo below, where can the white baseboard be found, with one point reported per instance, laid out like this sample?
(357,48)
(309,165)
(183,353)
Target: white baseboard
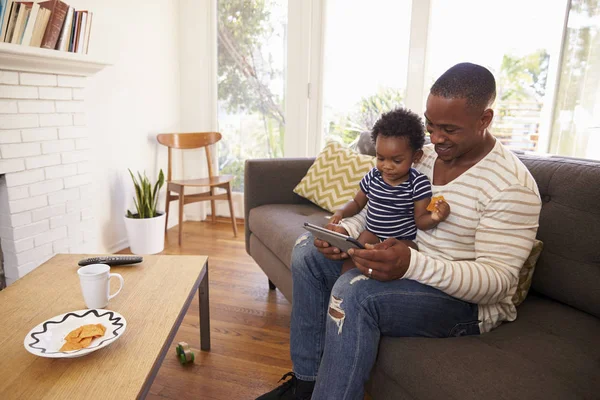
(192,217)
(120,245)
(174,221)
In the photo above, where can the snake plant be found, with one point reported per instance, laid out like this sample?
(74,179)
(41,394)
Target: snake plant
(146,197)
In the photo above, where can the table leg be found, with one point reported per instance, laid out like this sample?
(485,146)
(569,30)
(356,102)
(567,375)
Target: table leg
(204,312)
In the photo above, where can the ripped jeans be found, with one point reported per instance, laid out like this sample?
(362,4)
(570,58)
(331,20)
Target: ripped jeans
(337,320)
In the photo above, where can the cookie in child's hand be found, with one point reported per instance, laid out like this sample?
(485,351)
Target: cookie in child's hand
(431,206)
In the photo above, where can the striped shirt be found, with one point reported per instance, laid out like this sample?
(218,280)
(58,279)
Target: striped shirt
(477,253)
(391,211)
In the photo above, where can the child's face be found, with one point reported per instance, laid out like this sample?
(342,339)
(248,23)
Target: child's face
(394,158)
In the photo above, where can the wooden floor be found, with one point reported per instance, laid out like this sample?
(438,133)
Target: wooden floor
(249,324)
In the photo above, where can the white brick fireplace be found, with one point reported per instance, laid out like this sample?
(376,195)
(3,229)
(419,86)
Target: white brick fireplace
(45,169)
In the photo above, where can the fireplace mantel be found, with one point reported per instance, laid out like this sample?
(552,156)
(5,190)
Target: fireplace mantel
(46,173)
(32,59)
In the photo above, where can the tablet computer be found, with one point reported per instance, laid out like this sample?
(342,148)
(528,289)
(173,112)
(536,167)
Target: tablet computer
(335,239)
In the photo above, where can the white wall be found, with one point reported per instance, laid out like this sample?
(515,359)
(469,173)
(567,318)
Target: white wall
(198,71)
(198,74)
(130,102)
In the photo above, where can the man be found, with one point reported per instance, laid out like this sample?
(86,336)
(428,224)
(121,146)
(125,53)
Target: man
(460,281)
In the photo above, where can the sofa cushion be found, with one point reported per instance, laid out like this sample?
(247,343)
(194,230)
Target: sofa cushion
(569,267)
(526,273)
(550,352)
(333,179)
(278,226)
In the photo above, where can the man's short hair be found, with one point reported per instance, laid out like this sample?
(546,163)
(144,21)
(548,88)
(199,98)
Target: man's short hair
(401,123)
(467,81)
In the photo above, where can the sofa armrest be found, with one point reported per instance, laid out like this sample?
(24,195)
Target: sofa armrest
(272,181)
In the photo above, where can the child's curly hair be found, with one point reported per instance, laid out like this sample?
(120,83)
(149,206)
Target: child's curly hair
(401,122)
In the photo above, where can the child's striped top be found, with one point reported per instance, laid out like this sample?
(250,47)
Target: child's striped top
(391,209)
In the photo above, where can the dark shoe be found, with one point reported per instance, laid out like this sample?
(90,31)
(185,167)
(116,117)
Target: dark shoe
(293,389)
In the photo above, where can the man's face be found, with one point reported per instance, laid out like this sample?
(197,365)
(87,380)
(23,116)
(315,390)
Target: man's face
(455,129)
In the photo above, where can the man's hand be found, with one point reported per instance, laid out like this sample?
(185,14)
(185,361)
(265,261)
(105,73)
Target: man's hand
(389,260)
(441,212)
(332,253)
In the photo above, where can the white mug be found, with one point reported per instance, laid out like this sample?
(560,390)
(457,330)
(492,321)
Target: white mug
(95,284)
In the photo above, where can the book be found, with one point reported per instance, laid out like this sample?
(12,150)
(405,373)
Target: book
(14,27)
(81,32)
(31,22)
(51,24)
(73,31)
(40,27)
(76,21)
(6,11)
(12,20)
(88,31)
(2,11)
(58,14)
(65,32)
(24,11)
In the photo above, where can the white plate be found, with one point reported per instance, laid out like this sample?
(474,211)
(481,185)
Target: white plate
(47,338)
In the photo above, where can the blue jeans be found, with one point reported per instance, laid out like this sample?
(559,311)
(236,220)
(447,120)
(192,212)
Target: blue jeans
(337,320)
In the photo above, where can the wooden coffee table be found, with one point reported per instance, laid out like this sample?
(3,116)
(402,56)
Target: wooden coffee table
(154,300)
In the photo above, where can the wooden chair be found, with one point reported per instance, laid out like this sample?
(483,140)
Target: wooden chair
(195,141)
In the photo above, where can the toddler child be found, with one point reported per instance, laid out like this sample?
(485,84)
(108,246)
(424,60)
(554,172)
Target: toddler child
(397,194)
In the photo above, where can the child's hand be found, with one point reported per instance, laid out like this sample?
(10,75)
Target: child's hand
(441,212)
(335,218)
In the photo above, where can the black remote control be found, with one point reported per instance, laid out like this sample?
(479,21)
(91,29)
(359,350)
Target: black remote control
(111,260)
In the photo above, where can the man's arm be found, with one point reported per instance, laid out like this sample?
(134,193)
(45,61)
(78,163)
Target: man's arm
(503,241)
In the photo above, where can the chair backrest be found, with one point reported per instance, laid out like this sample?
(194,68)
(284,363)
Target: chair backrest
(189,141)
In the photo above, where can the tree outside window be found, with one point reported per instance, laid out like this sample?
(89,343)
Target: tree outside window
(251,82)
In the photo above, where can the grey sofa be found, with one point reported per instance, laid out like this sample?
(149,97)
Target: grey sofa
(552,350)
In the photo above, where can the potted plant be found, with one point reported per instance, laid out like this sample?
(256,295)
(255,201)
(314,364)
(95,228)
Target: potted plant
(145,227)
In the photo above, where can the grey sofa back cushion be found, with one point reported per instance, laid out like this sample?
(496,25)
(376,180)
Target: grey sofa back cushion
(364,144)
(569,267)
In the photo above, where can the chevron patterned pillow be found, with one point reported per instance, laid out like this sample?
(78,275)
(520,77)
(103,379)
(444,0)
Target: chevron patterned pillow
(333,178)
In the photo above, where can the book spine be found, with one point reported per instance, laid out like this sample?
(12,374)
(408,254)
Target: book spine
(17,30)
(88,31)
(57,18)
(69,27)
(39,28)
(64,32)
(81,33)
(5,18)
(3,6)
(11,22)
(76,17)
(27,16)
(32,22)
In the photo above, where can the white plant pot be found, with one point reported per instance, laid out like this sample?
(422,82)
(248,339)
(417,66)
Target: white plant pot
(146,236)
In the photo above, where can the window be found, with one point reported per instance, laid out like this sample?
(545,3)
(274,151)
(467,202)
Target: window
(365,64)
(546,70)
(576,117)
(517,41)
(251,82)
